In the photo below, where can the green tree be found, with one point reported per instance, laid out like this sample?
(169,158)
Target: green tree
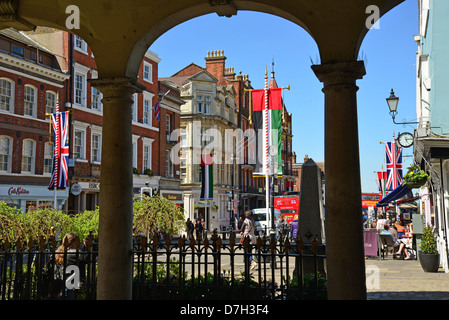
(156,213)
(10,222)
(150,215)
(85,223)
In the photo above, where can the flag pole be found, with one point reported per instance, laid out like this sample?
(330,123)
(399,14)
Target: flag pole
(266,150)
(56,158)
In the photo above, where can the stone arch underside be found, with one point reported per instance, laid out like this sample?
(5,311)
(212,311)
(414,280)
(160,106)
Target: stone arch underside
(120,34)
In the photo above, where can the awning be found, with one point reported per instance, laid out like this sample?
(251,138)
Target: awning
(397,193)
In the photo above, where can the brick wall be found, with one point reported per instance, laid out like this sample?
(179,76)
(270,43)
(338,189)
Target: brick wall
(20,127)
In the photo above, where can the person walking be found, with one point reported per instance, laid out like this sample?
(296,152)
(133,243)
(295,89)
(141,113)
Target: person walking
(282,227)
(198,230)
(248,228)
(190,228)
(294,227)
(240,223)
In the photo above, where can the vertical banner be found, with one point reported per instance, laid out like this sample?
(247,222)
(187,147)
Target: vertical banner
(382,177)
(60,127)
(207,177)
(274,126)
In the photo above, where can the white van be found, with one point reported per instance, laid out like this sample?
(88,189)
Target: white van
(263,223)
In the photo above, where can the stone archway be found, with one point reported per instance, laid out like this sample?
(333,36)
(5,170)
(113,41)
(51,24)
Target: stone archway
(119,35)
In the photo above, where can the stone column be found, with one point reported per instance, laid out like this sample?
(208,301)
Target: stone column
(116,182)
(343,204)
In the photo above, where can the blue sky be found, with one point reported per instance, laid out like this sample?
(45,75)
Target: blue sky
(250,40)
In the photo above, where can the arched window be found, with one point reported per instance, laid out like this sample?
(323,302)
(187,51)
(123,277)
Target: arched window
(5,153)
(28,155)
(6,95)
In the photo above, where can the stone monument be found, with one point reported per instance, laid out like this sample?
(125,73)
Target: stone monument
(311,211)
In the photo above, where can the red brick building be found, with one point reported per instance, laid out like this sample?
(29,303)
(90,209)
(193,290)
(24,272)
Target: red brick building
(30,82)
(149,135)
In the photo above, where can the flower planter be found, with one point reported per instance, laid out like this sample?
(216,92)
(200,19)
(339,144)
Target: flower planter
(412,185)
(415,177)
(429,262)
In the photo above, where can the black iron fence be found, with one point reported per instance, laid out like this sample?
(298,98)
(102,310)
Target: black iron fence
(170,268)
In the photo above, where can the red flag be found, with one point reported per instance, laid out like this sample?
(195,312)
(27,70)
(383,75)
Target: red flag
(274,125)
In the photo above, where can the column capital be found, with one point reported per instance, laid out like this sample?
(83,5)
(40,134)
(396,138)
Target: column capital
(116,88)
(340,72)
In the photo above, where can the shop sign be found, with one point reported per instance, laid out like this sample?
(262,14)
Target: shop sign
(173,196)
(76,189)
(90,185)
(17,191)
(29,191)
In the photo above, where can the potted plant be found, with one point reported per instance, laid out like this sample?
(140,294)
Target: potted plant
(429,257)
(214,207)
(148,172)
(415,177)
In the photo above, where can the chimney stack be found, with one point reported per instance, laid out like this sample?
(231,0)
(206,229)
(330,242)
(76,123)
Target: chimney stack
(215,63)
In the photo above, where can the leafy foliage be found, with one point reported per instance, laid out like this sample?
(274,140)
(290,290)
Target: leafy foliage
(155,213)
(150,215)
(415,176)
(428,241)
(85,223)
(43,222)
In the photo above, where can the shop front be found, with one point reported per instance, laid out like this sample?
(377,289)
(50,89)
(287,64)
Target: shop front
(32,197)
(175,196)
(84,196)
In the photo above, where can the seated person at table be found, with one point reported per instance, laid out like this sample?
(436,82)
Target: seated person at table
(396,242)
(400,229)
(407,238)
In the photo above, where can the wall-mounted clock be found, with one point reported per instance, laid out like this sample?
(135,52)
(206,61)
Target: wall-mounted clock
(405,139)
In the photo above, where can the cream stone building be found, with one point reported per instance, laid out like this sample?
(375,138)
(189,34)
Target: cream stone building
(209,113)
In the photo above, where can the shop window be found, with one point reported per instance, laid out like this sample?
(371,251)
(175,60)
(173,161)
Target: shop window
(31,205)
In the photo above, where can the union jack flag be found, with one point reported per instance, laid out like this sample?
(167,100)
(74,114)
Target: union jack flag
(394,165)
(60,127)
(157,108)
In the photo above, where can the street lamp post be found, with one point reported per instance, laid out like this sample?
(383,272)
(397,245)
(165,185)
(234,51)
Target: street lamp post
(232,218)
(393,102)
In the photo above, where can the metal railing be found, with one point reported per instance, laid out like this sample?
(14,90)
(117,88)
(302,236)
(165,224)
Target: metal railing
(174,268)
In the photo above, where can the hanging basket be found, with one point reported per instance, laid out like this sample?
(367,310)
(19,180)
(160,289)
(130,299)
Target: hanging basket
(415,178)
(418,183)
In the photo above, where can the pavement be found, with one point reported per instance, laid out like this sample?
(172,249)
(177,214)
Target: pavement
(393,279)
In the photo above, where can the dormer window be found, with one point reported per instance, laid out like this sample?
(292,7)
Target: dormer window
(203,104)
